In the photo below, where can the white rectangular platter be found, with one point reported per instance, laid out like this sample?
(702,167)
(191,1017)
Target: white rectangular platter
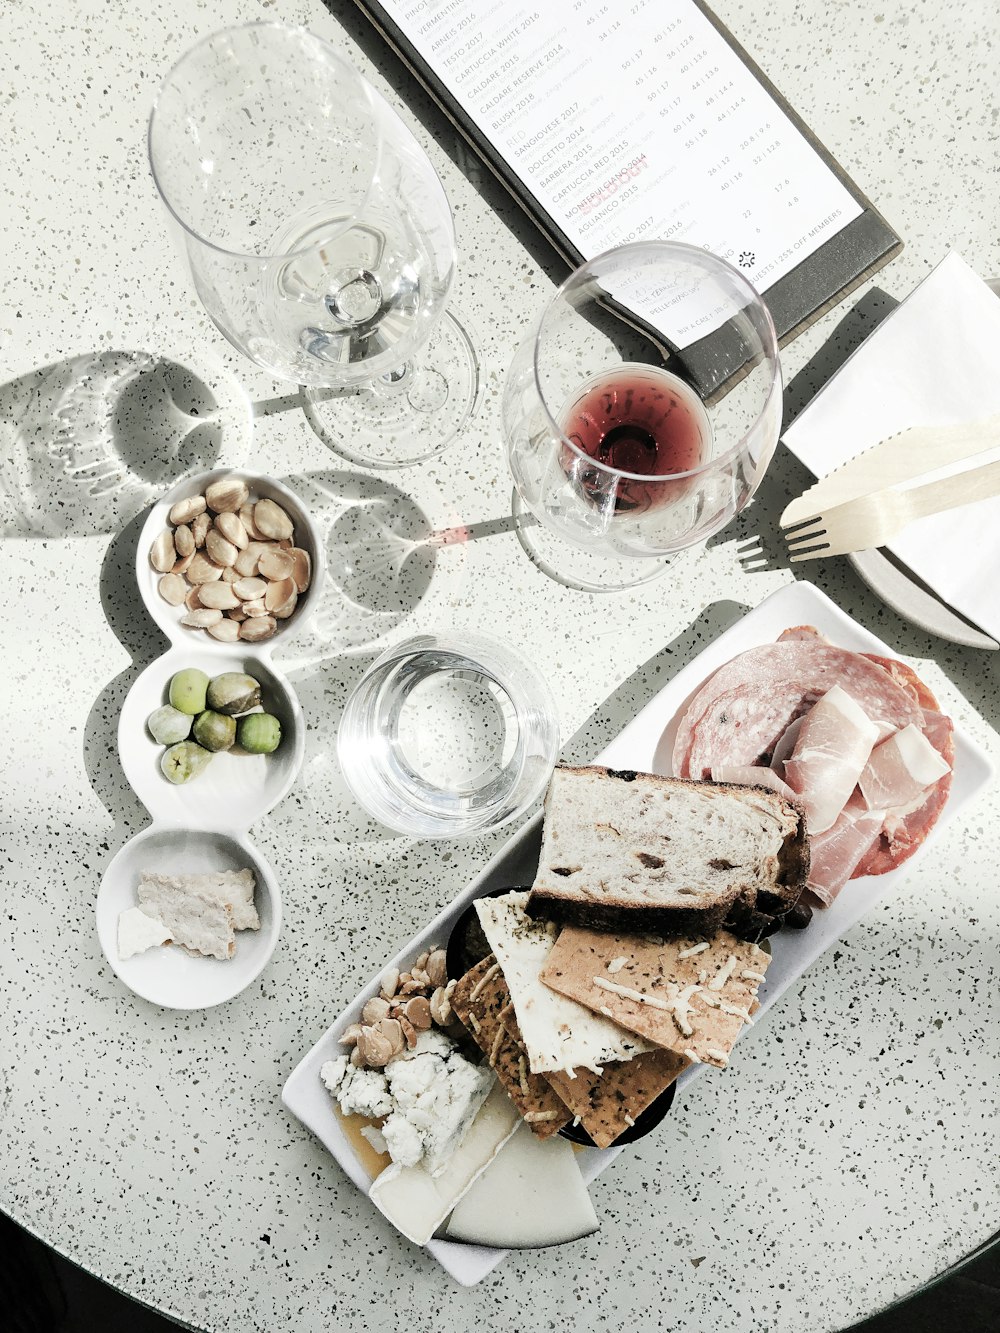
(645,744)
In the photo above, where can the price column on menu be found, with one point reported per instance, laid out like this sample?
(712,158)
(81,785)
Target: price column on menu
(635,120)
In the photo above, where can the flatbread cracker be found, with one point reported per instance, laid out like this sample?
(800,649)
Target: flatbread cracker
(691,996)
(610,1103)
(478,1000)
(235,887)
(195,920)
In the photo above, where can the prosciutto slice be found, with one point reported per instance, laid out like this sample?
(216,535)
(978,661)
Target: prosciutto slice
(833,746)
(837,853)
(739,714)
(900,770)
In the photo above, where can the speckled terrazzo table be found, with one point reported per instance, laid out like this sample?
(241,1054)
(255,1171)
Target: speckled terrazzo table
(851,1152)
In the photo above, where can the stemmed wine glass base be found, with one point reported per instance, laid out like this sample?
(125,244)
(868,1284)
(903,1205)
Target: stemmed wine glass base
(408,416)
(575,567)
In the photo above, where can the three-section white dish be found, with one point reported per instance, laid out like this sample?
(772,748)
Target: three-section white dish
(202,826)
(645,744)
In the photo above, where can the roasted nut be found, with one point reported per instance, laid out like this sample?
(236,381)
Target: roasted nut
(163,553)
(374,1010)
(249,590)
(255,628)
(227,495)
(201,619)
(193,600)
(393,1033)
(203,570)
(276,564)
(440,1007)
(283,611)
(356,1059)
(421,962)
(255,608)
(420,976)
(418,1011)
(246,561)
(390,980)
(229,574)
(350,1034)
(410,987)
(226,631)
(437,967)
(199,529)
(271,520)
(221,551)
(278,594)
(182,565)
(237,614)
(301,568)
(184,541)
(219,595)
(233,530)
(409,1031)
(376,1050)
(172,589)
(185,510)
(246,518)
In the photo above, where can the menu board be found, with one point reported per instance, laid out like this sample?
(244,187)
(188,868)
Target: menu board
(622,120)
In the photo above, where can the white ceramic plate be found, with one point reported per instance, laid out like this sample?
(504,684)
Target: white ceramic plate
(645,744)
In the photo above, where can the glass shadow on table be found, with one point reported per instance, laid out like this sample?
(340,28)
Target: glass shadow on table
(90,441)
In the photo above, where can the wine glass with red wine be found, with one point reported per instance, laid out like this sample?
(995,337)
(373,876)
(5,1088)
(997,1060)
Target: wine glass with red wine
(640,413)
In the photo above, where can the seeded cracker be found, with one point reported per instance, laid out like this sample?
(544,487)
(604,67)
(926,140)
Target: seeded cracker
(478,1000)
(690,996)
(606,1103)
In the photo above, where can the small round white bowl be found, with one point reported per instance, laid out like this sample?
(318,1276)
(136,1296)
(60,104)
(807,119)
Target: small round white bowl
(167,975)
(306,536)
(236,788)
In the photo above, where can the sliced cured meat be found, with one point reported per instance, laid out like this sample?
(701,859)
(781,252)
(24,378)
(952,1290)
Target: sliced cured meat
(750,776)
(805,633)
(905,829)
(832,749)
(739,714)
(900,769)
(837,853)
(907,679)
(786,744)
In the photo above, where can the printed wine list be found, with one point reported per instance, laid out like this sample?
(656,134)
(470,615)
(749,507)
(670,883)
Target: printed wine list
(636,120)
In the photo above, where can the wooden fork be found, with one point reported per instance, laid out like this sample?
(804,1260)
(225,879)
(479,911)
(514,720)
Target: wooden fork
(873,520)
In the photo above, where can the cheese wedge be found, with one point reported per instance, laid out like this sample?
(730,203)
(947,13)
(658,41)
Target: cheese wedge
(557,1032)
(416,1202)
(531,1195)
(138,931)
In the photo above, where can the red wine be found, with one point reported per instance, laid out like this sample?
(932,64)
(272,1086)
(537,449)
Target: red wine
(641,420)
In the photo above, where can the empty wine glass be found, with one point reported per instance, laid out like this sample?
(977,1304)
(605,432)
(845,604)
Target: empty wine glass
(319,237)
(619,458)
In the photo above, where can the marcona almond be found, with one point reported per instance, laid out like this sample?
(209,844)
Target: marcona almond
(193,600)
(199,529)
(283,611)
(223,552)
(219,596)
(246,518)
(255,608)
(203,570)
(276,564)
(226,631)
(301,568)
(227,495)
(163,553)
(375,1009)
(233,530)
(376,1050)
(271,520)
(440,1006)
(184,541)
(437,967)
(238,614)
(248,590)
(185,510)
(418,1011)
(229,574)
(201,619)
(277,594)
(350,1034)
(356,1059)
(392,1030)
(182,565)
(246,561)
(390,980)
(256,628)
(172,589)
(409,1031)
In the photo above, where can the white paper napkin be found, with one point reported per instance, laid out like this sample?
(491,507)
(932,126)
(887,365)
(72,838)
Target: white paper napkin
(934,361)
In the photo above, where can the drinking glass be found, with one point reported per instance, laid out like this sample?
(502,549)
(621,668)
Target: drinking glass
(318,236)
(618,458)
(448,735)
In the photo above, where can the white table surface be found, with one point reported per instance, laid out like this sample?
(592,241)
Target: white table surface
(850,1153)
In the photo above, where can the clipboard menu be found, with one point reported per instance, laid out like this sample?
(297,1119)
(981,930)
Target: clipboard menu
(622,120)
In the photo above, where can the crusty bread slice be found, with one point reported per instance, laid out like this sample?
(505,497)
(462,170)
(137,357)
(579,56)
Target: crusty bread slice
(634,852)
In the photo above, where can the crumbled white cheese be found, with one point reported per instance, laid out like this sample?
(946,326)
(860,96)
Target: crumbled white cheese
(430,1096)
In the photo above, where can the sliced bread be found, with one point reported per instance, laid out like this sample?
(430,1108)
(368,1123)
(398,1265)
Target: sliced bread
(634,852)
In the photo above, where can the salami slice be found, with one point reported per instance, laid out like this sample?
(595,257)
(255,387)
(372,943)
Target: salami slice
(740,713)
